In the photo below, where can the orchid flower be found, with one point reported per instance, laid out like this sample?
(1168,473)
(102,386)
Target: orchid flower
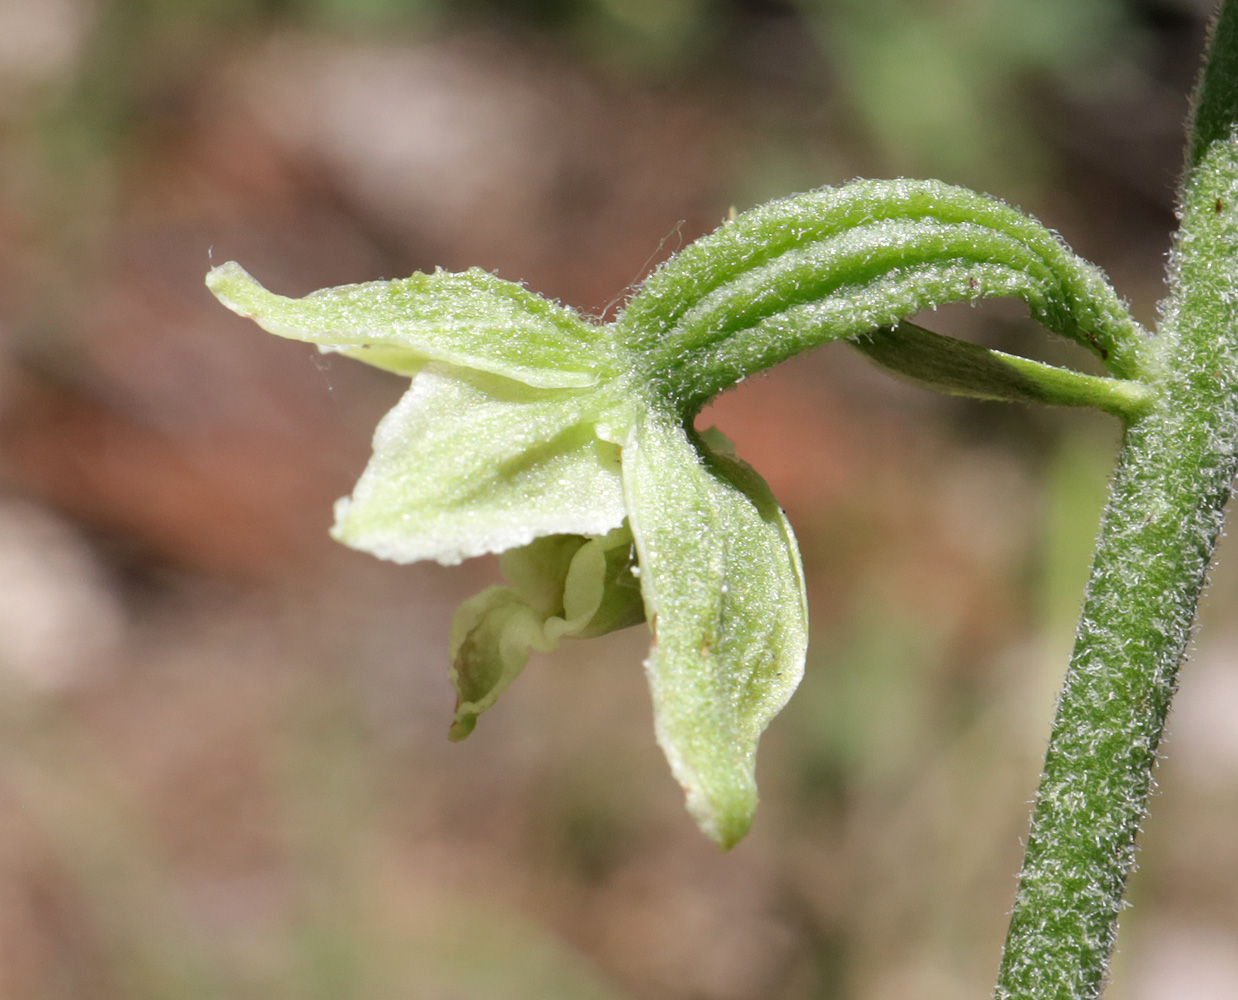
(569,446)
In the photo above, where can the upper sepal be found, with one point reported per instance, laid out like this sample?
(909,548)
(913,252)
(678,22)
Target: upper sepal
(471,320)
(724,594)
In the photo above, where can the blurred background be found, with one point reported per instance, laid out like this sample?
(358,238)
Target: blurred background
(223,761)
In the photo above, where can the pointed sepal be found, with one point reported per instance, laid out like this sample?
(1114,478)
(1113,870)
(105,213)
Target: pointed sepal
(724,593)
(470,320)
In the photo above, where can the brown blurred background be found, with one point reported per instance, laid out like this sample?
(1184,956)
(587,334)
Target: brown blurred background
(223,764)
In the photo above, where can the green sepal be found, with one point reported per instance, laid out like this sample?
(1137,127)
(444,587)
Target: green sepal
(468,463)
(962,369)
(471,320)
(724,595)
(560,586)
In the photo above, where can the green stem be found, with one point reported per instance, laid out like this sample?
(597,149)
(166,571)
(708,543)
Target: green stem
(1157,537)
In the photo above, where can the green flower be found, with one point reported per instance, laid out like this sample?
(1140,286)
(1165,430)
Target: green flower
(568,445)
(524,432)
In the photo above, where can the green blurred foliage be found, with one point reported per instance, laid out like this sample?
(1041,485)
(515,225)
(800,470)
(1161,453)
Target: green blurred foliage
(941,89)
(1077,482)
(944,87)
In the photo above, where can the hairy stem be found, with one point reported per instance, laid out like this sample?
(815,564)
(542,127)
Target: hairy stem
(1157,536)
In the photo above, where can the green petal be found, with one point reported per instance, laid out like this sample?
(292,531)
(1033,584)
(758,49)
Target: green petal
(724,593)
(560,586)
(473,320)
(468,463)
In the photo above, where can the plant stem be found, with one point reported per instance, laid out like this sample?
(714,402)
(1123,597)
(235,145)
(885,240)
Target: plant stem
(1157,537)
